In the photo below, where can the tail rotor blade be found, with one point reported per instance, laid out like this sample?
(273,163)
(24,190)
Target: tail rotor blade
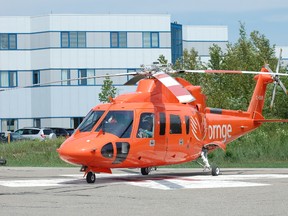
(279,61)
(273,95)
(283,87)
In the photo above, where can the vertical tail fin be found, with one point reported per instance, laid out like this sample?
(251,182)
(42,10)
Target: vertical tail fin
(258,98)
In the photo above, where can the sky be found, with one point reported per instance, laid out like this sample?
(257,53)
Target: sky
(269,17)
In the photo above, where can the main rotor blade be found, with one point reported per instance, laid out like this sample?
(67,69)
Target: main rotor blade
(232,72)
(273,95)
(67,80)
(181,93)
(135,79)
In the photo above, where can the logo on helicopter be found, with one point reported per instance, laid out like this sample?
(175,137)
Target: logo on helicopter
(219,131)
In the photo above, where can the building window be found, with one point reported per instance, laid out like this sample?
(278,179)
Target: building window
(36,77)
(9,125)
(8,79)
(89,73)
(37,122)
(8,41)
(151,39)
(118,39)
(65,76)
(76,121)
(73,39)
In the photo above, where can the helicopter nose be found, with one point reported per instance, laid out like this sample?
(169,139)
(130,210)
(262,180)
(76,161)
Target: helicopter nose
(77,155)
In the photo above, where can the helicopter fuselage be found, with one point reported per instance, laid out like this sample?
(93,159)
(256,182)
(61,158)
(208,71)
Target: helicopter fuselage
(178,134)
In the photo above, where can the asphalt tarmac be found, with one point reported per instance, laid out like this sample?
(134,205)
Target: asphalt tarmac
(64,191)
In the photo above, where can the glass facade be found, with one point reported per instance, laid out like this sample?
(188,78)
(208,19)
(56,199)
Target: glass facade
(176,41)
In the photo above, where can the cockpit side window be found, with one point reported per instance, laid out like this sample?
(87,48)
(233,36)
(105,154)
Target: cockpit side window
(90,120)
(146,126)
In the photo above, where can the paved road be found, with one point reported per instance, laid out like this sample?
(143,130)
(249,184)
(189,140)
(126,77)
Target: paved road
(63,191)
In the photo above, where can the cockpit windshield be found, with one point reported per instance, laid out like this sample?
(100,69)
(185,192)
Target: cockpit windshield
(118,123)
(90,120)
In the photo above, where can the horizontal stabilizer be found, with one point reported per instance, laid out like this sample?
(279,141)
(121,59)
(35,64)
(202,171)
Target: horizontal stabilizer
(270,120)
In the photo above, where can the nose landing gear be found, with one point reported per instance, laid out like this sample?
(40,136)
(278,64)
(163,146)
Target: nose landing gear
(90,177)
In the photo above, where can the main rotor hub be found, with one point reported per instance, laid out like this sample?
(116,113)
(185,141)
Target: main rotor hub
(149,70)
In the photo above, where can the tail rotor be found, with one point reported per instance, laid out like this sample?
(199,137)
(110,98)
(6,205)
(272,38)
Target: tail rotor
(277,80)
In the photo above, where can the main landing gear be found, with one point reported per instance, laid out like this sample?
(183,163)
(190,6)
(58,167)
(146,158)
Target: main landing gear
(147,170)
(215,170)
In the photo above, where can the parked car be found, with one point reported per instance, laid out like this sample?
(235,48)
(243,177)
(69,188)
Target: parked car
(70,131)
(33,134)
(3,137)
(60,131)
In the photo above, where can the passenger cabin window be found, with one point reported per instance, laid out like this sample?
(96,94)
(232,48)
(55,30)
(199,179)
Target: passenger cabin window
(162,124)
(118,123)
(187,123)
(146,126)
(90,120)
(175,124)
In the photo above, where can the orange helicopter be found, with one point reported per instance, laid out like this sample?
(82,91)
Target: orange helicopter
(164,122)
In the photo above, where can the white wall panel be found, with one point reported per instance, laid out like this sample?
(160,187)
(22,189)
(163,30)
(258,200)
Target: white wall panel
(40,59)
(40,40)
(98,39)
(23,41)
(14,60)
(40,23)
(19,24)
(105,58)
(55,39)
(203,47)
(165,39)
(40,99)
(24,78)
(134,39)
(205,33)
(56,122)
(110,22)
(25,123)
(16,103)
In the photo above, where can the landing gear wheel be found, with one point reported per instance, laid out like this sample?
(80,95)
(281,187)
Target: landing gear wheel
(215,171)
(90,177)
(145,170)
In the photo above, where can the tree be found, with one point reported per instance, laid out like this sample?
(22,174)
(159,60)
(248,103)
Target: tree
(107,90)
(228,91)
(216,57)
(162,59)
